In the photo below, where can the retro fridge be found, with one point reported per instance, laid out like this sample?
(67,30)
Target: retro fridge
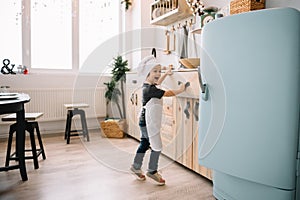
(249,105)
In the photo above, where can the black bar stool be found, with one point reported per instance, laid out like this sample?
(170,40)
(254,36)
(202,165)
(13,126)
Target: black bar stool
(75,109)
(30,125)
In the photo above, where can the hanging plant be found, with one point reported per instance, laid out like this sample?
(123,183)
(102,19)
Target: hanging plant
(127,4)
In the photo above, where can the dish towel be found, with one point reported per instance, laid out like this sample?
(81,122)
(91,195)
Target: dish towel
(192,45)
(182,42)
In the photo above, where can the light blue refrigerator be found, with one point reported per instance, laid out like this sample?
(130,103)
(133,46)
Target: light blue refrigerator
(249,107)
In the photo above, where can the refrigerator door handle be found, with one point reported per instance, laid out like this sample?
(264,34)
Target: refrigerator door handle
(203,86)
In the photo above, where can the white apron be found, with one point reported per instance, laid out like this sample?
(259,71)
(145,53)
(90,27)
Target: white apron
(153,117)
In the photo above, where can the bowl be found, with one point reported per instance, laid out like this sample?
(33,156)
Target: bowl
(190,62)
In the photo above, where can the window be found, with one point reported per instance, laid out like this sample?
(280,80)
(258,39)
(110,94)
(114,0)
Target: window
(98,22)
(51,34)
(59,34)
(11,33)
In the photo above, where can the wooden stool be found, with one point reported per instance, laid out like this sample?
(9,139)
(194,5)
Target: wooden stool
(30,125)
(74,109)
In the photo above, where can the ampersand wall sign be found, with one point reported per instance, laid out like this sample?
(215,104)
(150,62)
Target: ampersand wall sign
(6,69)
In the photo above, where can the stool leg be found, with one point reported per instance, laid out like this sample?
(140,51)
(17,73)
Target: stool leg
(69,123)
(30,129)
(84,126)
(17,144)
(68,127)
(36,126)
(12,129)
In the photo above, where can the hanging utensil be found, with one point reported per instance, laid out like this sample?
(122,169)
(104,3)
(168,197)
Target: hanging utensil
(174,38)
(167,50)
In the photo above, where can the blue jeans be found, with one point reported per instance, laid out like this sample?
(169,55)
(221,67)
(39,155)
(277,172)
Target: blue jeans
(140,153)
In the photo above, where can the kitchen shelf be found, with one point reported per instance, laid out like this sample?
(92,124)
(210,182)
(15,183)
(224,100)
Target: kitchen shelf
(166,12)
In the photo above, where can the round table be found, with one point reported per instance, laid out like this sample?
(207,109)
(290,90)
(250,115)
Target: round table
(16,105)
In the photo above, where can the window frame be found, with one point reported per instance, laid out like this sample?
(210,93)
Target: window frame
(26,40)
(7,29)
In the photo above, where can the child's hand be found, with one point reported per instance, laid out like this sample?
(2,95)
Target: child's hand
(169,70)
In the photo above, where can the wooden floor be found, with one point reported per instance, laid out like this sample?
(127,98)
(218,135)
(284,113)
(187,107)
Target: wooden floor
(98,169)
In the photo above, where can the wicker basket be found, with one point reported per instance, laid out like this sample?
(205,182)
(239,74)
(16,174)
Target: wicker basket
(113,128)
(240,6)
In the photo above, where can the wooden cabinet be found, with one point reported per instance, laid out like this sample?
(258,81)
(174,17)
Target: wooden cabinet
(184,132)
(180,119)
(196,166)
(168,129)
(187,133)
(133,105)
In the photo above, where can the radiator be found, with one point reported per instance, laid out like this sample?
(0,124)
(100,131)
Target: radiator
(51,101)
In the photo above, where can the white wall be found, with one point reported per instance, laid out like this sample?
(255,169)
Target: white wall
(283,3)
(52,80)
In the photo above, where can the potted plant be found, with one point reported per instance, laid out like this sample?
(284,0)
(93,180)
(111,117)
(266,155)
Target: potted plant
(115,95)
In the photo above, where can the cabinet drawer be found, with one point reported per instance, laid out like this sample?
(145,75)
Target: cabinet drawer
(193,91)
(132,80)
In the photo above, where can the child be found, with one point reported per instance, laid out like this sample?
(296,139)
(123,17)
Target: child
(150,118)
